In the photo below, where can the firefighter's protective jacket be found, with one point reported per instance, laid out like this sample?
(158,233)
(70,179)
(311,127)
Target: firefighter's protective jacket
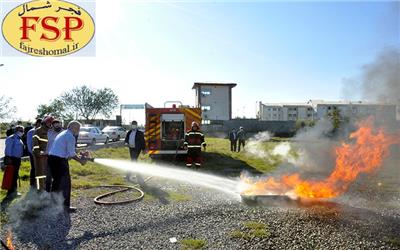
(194,139)
(39,140)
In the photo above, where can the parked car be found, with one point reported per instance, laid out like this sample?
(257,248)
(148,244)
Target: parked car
(92,135)
(115,133)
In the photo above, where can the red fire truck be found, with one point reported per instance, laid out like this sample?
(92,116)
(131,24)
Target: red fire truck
(166,127)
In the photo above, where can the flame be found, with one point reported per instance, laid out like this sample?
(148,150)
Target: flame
(365,154)
(9,241)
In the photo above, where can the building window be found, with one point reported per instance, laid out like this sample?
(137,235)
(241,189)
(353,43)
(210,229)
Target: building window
(206,92)
(206,108)
(205,121)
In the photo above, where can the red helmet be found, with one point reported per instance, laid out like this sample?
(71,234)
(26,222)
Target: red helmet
(48,119)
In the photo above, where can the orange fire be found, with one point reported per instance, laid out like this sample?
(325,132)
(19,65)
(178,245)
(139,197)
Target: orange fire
(364,155)
(9,241)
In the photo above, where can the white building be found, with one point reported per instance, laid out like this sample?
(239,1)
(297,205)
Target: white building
(350,109)
(285,111)
(215,100)
(318,109)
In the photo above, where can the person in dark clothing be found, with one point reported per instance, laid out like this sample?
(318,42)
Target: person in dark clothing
(233,140)
(29,136)
(24,138)
(135,141)
(10,131)
(194,139)
(241,137)
(13,153)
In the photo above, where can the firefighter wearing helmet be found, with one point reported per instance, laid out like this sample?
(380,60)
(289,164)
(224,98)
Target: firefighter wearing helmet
(194,139)
(39,146)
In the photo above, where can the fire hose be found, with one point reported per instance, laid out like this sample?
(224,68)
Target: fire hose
(121,189)
(86,156)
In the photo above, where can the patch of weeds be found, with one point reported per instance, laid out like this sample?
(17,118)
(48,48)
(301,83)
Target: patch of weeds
(190,243)
(178,197)
(254,225)
(237,234)
(251,230)
(394,241)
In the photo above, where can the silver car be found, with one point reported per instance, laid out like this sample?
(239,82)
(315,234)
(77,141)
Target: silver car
(91,136)
(115,133)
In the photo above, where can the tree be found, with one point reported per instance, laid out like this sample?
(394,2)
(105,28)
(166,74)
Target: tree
(88,102)
(6,110)
(335,118)
(56,108)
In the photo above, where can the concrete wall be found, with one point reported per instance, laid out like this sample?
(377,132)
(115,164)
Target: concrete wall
(251,126)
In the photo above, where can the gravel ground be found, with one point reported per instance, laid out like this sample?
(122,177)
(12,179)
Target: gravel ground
(210,216)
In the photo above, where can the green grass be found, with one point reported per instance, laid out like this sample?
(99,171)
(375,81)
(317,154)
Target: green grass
(219,158)
(250,230)
(190,243)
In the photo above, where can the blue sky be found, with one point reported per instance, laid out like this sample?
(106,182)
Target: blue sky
(275,51)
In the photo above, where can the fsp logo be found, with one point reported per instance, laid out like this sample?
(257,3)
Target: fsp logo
(48,28)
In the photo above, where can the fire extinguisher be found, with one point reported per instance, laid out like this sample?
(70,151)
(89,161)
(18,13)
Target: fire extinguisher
(8,177)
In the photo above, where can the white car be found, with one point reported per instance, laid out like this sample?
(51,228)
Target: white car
(92,135)
(115,133)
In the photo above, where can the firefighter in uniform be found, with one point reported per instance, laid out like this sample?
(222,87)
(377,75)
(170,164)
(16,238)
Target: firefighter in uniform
(39,146)
(194,139)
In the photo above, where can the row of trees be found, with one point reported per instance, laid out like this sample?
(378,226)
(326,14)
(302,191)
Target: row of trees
(81,102)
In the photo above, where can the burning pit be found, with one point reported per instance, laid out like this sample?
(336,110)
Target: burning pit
(362,153)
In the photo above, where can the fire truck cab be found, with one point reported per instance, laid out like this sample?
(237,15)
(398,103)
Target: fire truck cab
(166,127)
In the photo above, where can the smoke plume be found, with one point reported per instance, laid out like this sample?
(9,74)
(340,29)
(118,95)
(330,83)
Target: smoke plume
(379,80)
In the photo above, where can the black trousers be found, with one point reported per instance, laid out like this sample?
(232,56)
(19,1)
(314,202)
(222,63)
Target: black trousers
(59,168)
(241,143)
(233,145)
(16,162)
(134,153)
(32,179)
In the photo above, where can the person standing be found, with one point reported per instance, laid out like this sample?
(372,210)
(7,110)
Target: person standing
(25,138)
(241,137)
(56,128)
(29,137)
(194,139)
(233,140)
(135,141)
(63,149)
(13,152)
(11,130)
(39,146)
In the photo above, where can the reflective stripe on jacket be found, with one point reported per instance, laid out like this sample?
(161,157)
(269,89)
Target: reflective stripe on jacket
(39,140)
(194,139)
